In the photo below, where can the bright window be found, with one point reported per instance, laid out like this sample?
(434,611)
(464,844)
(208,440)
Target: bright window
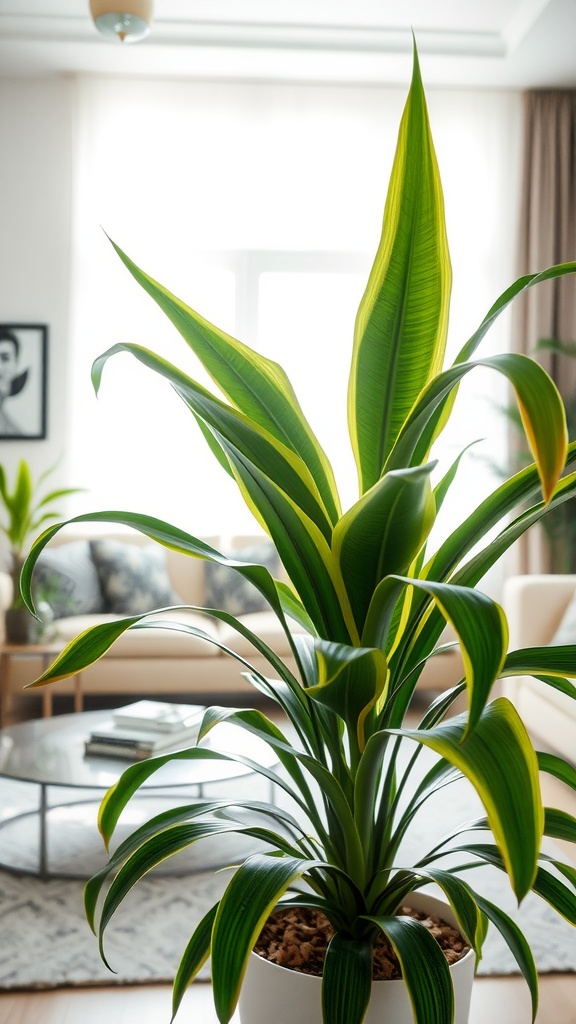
(260,206)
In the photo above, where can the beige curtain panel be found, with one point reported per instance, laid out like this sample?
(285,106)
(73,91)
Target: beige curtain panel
(547,236)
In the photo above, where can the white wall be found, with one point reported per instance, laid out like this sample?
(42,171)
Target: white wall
(35,211)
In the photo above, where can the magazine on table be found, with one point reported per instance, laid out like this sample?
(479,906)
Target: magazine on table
(146,731)
(158,715)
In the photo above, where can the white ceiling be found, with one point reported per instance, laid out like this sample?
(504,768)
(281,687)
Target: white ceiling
(489,43)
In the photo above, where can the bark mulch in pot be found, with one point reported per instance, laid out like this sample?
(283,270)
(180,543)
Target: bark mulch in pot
(297,939)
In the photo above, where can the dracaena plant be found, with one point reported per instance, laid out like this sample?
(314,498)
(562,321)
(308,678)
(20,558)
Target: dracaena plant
(373,602)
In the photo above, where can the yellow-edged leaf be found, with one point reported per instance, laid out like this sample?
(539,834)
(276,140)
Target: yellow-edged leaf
(500,762)
(383,532)
(257,386)
(402,320)
(350,681)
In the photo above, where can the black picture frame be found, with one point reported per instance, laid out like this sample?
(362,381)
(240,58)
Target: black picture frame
(23,381)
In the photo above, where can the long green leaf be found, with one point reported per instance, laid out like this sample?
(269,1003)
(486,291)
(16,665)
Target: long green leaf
(137,774)
(90,645)
(482,630)
(488,514)
(23,490)
(545,884)
(430,432)
(558,895)
(559,824)
(382,533)
(478,524)
(442,774)
(499,760)
(540,404)
(170,841)
(156,529)
(542,413)
(174,816)
(152,852)
(178,540)
(479,564)
(259,725)
(521,489)
(303,550)
(549,661)
(424,968)
(504,300)
(567,870)
(195,955)
(4,489)
(203,808)
(343,830)
(279,666)
(463,902)
(346,980)
(367,786)
(250,896)
(517,944)
(402,321)
(277,460)
(558,767)
(442,488)
(257,386)
(483,649)
(350,681)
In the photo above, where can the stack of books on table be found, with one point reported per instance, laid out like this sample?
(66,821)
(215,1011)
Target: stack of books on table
(145,728)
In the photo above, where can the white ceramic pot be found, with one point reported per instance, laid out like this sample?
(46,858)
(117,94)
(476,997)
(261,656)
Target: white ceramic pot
(275,995)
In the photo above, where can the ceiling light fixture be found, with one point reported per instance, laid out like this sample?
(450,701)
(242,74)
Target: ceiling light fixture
(126,20)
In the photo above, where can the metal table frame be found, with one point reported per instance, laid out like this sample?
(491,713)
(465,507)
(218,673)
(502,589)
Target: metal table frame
(163,789)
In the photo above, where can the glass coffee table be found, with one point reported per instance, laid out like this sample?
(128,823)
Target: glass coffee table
(50,792)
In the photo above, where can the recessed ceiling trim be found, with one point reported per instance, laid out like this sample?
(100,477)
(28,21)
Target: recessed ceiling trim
(51,28)
(267,35)
(316,37)
(524,18)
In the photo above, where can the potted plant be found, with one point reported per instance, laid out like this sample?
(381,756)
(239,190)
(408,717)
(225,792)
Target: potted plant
(373,602)
(26,508)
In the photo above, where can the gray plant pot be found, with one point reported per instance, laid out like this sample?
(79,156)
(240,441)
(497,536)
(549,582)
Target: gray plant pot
(23,628)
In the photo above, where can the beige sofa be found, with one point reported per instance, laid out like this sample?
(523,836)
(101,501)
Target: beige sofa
(168,663)
(536,606)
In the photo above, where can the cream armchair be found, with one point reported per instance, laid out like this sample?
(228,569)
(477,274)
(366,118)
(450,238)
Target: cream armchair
(536,607)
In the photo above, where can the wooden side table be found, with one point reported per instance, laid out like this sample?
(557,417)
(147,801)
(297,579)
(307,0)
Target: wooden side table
(45,654)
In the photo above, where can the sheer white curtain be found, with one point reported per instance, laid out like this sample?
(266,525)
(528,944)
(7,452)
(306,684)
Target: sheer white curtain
(260,206)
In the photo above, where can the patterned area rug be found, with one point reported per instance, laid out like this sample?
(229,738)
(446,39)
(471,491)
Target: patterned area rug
(45,941)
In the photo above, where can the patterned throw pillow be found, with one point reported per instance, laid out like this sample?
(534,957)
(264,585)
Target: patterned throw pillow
(134,579)
(66,578)
(229,591)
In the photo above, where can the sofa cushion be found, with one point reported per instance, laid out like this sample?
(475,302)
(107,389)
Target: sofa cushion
(134,579)
(151,643)
(566,631)
(230,592)
(68,580)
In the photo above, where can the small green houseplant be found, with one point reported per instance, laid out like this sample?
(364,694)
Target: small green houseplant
(374,603)
(26,506)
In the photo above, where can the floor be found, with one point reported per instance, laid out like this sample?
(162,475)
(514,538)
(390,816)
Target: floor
(497,1000)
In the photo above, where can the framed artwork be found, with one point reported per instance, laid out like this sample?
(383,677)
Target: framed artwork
(23,374)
